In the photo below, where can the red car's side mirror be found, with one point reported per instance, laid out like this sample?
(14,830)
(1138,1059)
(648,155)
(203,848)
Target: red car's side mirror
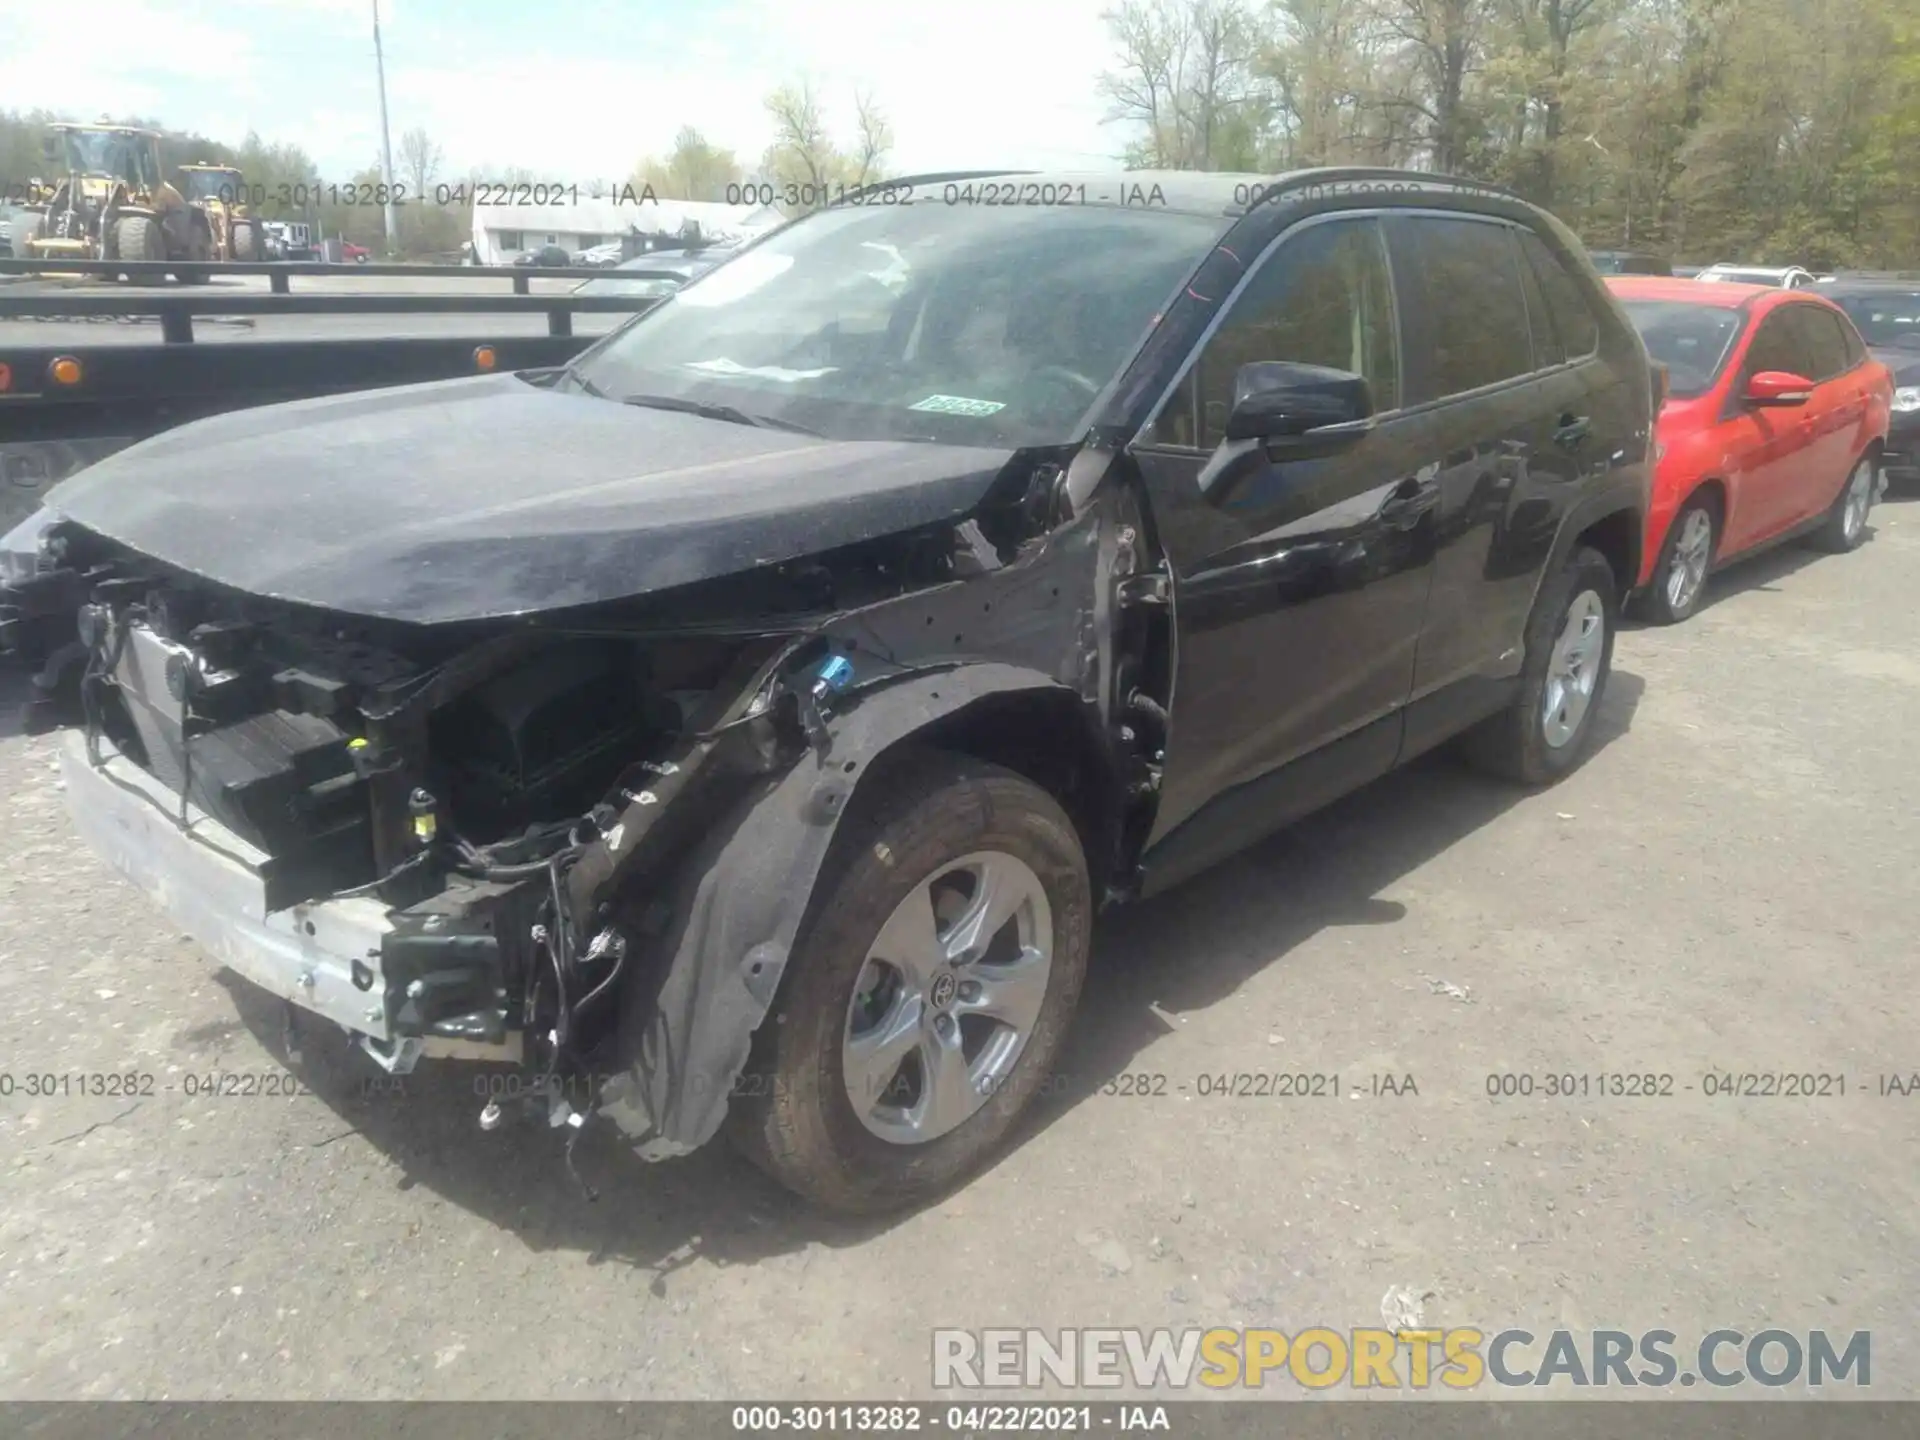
(1779,387)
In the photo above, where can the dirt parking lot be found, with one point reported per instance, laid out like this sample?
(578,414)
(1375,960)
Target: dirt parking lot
(1726,886)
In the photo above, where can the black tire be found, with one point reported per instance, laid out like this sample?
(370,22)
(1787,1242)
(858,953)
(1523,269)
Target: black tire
(136,237)
(793,1115)
(243,240)
(1514,744)
(1657,604)
(1841,531)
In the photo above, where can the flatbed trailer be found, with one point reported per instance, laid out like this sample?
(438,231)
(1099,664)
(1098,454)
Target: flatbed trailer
(65,405)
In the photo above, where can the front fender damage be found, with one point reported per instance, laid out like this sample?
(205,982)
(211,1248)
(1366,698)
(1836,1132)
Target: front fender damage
(740,894)
(747,892)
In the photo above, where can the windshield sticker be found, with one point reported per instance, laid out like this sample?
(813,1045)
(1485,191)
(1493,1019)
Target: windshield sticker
(724,366)
(958,405)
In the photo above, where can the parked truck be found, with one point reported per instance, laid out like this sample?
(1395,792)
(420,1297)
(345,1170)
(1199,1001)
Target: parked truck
(220,193)
(107,200)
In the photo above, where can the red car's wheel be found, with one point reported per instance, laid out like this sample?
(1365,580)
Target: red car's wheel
(1846,523)
(1686,559)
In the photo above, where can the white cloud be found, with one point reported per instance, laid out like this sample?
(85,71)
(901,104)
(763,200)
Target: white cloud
(48,61)
(993,82)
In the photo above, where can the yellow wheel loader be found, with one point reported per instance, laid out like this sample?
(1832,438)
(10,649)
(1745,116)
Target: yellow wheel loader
(109,202)
(220,192)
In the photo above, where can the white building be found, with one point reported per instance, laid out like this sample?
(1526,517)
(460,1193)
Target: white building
(500,232)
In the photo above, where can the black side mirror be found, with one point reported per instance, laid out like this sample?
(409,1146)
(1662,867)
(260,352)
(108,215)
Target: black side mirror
(1278,400)
(1285,411)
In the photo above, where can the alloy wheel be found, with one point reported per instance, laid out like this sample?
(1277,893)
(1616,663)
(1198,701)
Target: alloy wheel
(1692,553)
(951,990)
(1859,500)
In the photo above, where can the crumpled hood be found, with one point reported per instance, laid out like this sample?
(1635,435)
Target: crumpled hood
(488,497)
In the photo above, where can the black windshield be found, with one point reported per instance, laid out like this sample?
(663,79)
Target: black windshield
(1692,341)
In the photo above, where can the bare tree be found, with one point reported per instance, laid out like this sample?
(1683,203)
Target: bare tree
(804,154)
(1186,75)
(1442,41)
(873,139)
(801,148)
(420,161)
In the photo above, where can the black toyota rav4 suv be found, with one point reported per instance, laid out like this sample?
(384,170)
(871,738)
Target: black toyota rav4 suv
(740,726)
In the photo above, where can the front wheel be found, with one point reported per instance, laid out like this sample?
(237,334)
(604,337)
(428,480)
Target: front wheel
(1846,523)
(929,993)
(1548,727)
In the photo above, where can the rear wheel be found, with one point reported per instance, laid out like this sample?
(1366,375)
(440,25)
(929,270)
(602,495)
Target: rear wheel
(1548,728)
(244,240)
(1686,559)
(199,249)
(928,995)
(137,237)
(1846,523)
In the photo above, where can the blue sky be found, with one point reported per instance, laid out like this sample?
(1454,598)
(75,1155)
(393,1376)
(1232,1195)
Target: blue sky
(577,91)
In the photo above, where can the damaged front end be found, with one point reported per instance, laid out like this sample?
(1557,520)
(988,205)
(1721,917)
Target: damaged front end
(583,841)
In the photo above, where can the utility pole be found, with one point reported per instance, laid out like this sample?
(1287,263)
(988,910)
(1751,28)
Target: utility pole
(386,138)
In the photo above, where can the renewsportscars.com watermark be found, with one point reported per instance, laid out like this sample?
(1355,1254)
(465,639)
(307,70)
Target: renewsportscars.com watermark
(1321,1358)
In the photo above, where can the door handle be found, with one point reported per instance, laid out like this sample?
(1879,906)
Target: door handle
(1572,429)
(1408,501)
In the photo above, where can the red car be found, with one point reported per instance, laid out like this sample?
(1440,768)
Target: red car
(358,254)
(1772,429)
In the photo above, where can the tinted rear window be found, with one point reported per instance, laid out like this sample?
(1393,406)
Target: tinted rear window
(1822,340)
(1692,341)
(1573,319)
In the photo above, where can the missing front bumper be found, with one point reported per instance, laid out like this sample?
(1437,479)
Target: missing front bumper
(324,957)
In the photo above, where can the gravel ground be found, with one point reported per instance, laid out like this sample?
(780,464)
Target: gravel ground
(1725,886)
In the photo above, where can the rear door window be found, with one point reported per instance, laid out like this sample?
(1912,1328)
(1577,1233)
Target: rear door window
(1826,344)
(1461,300)
(1547,349)
(1856,347)
(1567,303)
